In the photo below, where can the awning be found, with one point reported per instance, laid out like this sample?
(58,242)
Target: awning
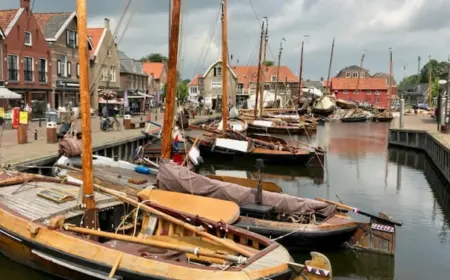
(144,95)
(7,94)
(110,101)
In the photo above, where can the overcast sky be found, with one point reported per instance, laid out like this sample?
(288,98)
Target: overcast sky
(411,27)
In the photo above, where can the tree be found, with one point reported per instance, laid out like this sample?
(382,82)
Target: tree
(437,70)
(154,57)
(186,81)
(268,63)
(409,80)
(181,91)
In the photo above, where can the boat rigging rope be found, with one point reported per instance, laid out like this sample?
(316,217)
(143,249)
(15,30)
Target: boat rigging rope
(135,6)
(207,44)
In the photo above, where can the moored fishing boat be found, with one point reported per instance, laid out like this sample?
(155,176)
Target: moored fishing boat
(354,118)
(41,224)
(345,104)
(324,106)
(387,116)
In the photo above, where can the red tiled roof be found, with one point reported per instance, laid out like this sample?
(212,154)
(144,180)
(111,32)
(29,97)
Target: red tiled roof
(194,81)
(94,34)
(364,84)
(248,74)
(154,68)
(6,17)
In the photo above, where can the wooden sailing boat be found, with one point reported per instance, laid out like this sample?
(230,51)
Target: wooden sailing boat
(112,236)
(233,143)
(387,116)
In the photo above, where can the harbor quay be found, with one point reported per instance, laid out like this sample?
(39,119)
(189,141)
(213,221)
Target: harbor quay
(420,132)
(112,143)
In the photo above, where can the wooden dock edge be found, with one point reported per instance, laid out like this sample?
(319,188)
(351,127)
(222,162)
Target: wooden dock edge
(437,149)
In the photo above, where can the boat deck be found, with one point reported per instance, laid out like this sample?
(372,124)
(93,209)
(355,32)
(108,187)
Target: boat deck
(275,257)
(125,177)
(25,199)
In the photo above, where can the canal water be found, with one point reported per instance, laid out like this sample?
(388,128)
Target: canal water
(362,172)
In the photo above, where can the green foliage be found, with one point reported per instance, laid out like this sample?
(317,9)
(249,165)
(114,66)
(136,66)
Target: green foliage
(409,80)
(435,87)
(186,81)
(154,57)
(438,69)
(268,63)
(182,91)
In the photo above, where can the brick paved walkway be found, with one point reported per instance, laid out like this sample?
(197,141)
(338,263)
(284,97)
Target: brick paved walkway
(13,153)
(422,123)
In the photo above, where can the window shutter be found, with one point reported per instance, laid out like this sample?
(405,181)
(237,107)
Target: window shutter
(69,69)
(76,39)
(67,37)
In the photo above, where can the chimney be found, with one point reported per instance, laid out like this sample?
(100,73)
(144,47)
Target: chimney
(106,23)
(25,4)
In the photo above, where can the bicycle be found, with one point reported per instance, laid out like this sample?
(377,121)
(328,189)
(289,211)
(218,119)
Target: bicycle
(108,125)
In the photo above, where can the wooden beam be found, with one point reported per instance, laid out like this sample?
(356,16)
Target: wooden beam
(224,66)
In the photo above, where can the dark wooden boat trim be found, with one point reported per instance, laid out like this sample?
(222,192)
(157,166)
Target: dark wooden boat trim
(277,129)
(354,119)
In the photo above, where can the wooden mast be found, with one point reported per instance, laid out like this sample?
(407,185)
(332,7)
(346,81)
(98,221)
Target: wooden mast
(166,146)
(359,74)
(266,38)
(259,75)
(390,83)
(90,216)
(278,69)
(224,67)
(329,68)
(300,76)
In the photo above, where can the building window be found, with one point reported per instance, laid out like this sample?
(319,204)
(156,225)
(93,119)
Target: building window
(355,92)
(113,74)
(78,69)
(28,69)
(71,38)
(377,92)
(62,67)
(345,92)
(13,68)
(105,74)
(193,89)
(355,74)
(219,71)
(216,84)
(347,74)
(273,79)
(369,92)
(42,70)
(69,69)
(58,68)
(28,41)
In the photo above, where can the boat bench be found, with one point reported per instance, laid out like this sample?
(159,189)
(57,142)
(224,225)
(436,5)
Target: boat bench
(257,209)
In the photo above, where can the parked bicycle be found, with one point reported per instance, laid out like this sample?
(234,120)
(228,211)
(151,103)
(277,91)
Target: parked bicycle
(107,124)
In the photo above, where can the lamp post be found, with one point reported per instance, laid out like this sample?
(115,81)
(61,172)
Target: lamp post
(442,101)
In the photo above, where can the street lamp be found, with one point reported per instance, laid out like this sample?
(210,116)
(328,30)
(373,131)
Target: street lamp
(442,100)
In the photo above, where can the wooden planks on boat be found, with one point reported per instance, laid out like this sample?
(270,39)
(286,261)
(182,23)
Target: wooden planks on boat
(277,256)
(24,199)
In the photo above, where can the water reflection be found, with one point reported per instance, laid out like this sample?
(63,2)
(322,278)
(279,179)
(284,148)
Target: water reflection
(437,183)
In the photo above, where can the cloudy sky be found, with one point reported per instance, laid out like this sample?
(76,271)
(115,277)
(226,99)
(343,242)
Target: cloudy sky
(411,27)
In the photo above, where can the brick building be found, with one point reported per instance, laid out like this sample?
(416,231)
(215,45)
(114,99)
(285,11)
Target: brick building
(26,57)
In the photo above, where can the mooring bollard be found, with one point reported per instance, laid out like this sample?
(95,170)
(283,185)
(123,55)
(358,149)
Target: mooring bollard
(402,112)
(51,133)
(127,121)
(35,134)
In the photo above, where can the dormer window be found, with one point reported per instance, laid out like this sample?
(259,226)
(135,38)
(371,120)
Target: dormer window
(348,74)
(28,41)
(355,75)
(273,78)
(219,71)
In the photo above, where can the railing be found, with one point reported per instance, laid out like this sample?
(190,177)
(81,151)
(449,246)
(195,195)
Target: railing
(13,74)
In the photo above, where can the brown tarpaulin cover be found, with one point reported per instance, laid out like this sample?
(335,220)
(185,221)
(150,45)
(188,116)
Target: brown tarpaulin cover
(70,147)
(177,178)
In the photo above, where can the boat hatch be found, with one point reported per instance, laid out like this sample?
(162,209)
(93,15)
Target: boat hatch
(55,195)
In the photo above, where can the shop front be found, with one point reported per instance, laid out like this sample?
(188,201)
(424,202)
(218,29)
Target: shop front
(67,92)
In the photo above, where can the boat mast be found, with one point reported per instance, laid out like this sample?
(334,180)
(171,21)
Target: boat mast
(278,69)
(300,76)
(359,74)
(166,146)
(329,68)
(390,82)
(90,216)
(224,67)
(430,88)
(259,74)
(266,38)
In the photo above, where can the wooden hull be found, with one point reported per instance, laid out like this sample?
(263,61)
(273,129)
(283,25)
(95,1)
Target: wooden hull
(277,129)
(383,119)
(345,104)
(306,236)
(323,112)
(354,119)
(269,156)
